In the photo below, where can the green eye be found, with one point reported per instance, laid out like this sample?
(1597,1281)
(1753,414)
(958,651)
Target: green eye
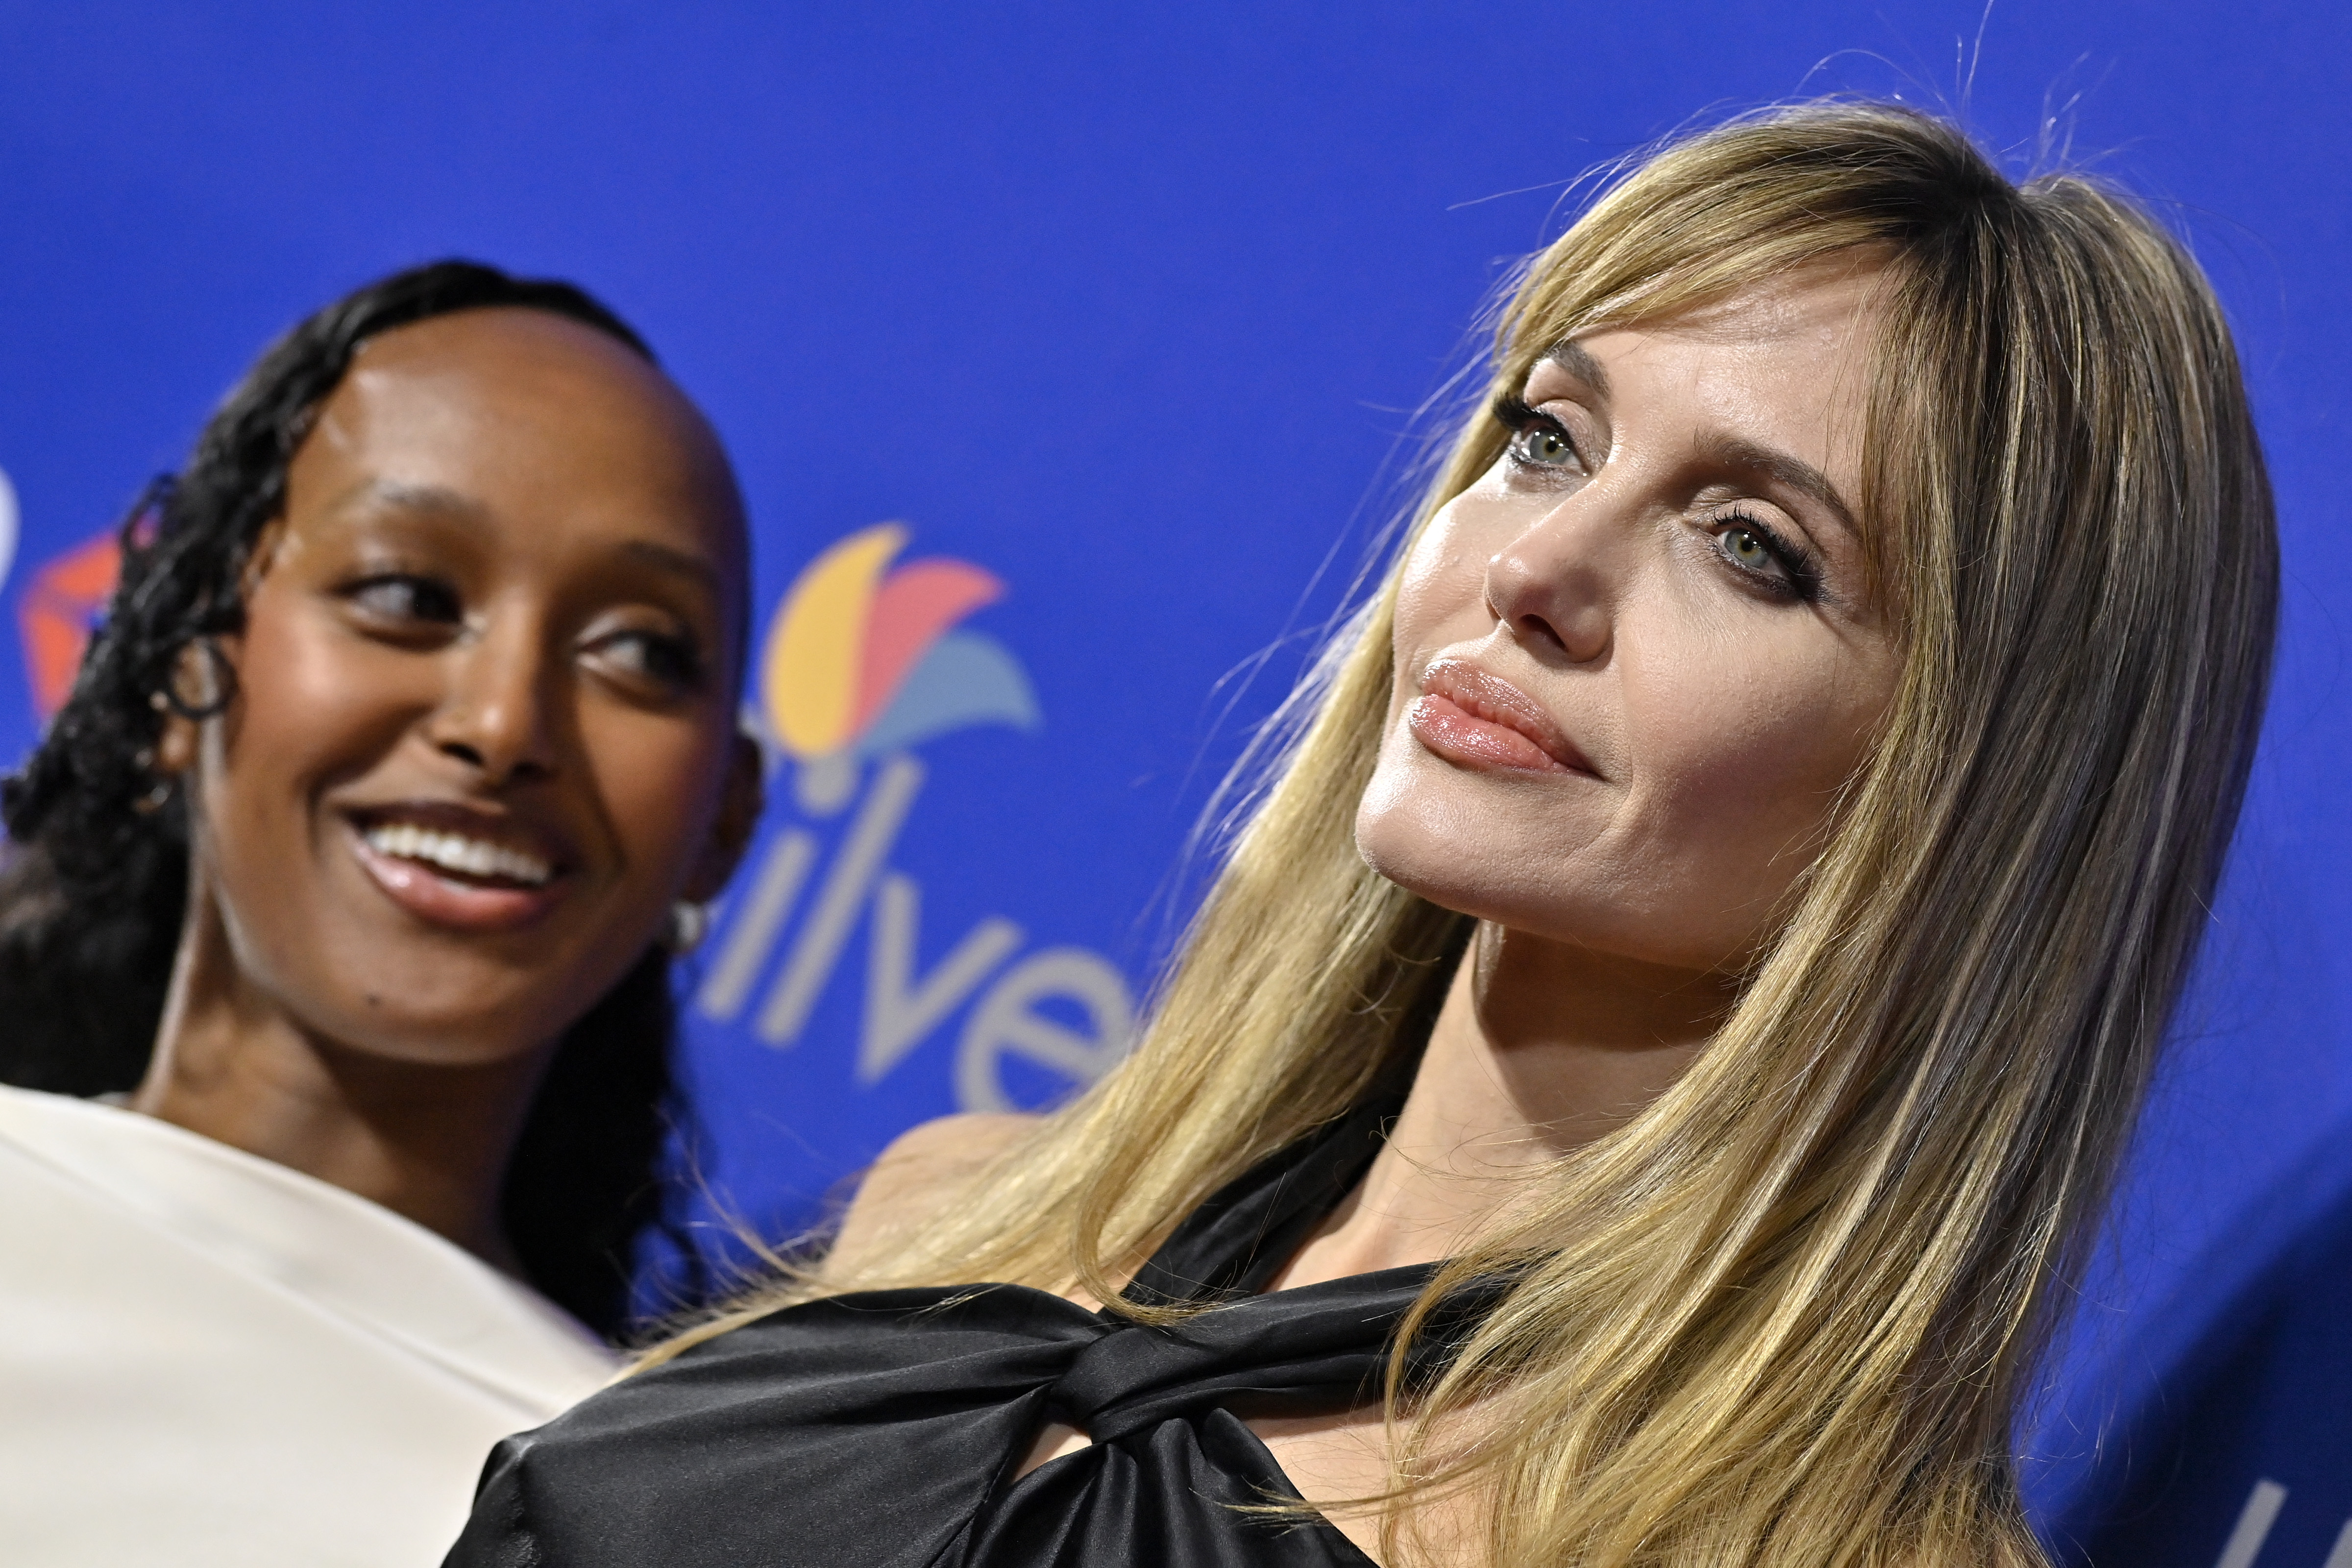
(1546,446)
(1746,550)
(1767,561)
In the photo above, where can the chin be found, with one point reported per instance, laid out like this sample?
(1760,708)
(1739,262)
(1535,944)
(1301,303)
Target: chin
(1453,839)
(382,1018)
(1490,878)
(1445,874)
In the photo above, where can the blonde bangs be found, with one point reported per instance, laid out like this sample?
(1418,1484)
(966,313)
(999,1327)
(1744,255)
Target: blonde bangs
(1782,1315)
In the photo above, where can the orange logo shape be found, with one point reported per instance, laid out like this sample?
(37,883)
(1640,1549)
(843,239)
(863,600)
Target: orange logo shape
(56,613)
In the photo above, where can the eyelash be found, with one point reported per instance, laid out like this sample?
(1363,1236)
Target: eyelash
(687,669)
(681,656)
(1803,580)
(422,586)
(1512,411)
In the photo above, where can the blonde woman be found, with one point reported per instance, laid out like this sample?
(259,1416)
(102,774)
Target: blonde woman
(1643,1070)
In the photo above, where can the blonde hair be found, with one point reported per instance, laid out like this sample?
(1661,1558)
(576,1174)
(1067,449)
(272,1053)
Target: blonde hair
(1782,1315)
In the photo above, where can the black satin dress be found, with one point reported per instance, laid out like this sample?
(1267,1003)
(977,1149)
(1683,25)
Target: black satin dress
(882,1428)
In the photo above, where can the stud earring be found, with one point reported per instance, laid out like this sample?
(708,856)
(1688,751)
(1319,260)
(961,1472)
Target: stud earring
(158,792)
(688,924)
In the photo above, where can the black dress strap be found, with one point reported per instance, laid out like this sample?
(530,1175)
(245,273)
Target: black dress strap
(1237,1242)
(885,1429)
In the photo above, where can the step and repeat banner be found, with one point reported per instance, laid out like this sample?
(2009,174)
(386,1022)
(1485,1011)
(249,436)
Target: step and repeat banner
(1071,359)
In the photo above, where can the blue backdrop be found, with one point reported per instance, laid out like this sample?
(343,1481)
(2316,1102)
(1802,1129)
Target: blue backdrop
(1119,315)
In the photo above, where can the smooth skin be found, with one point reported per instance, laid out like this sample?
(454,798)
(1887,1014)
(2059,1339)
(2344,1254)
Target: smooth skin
(505,602)
(1634,663)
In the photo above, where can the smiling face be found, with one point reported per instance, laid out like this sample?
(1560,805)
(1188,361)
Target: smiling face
(1636,661)
(484,732)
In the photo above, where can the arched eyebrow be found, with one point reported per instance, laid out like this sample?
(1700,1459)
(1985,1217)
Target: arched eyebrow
(678,563)
(406,497)
(443,501)
(1795,473)
(1724,451)
(1577,360)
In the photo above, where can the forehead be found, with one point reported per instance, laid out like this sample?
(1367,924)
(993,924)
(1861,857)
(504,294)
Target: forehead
(1789,359)
(532,418)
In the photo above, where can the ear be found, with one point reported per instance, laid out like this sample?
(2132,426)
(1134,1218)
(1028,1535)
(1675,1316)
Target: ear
(739,817)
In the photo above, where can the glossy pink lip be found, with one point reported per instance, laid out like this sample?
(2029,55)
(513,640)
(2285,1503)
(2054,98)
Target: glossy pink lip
(1470,716)
(449,899)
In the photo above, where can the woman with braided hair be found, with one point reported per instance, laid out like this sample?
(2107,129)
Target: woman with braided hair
(335,933)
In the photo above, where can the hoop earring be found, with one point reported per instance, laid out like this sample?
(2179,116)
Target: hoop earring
(220,676)
(688,924)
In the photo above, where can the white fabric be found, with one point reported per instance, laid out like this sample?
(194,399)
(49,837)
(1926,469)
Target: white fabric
(208,1360)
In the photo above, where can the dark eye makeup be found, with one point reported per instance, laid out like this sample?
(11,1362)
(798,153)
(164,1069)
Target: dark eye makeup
(1762,556)
(1767,557)
(1539,442)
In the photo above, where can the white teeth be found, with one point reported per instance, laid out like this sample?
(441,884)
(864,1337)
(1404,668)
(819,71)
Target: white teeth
(456,852)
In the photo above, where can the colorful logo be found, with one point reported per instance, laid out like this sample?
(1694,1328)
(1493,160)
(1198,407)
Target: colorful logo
(864,659)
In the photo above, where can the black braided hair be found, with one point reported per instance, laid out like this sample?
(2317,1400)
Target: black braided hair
(95,884)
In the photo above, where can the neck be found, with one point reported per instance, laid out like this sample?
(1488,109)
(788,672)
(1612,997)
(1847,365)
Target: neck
(426,1141)
(1538,1049)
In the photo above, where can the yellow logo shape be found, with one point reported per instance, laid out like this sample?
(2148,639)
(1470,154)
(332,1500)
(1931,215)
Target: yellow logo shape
(818,642)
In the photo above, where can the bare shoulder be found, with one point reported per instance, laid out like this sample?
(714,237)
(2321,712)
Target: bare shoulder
(924,1170)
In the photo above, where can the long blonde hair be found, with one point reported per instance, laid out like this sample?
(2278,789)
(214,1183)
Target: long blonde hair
(1782,1315)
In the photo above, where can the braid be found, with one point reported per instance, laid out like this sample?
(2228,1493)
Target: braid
(94,888)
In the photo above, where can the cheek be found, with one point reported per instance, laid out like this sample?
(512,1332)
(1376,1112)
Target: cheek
(658,780)
(314,708)
(1441,591)
(1738,767)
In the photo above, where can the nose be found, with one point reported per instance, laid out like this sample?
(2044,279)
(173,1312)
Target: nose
(496,716)
(1553,583)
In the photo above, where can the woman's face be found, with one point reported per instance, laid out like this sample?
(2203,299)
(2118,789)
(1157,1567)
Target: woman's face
(1636,661)
(485,728)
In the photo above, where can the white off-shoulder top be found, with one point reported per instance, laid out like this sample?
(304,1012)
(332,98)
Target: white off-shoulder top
(208,1359)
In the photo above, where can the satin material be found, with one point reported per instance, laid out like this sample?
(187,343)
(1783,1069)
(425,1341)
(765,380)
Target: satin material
(882,1429)
(209,1361)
